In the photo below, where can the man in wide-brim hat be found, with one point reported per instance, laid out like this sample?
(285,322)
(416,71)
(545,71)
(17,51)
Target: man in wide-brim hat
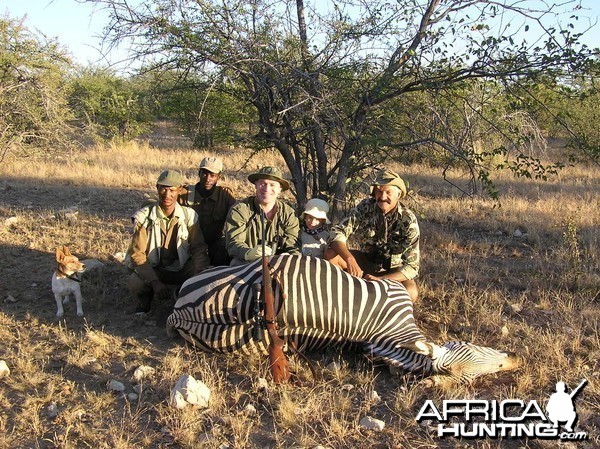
(383,235)
(243,229)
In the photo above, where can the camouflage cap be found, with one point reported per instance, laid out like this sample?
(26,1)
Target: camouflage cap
(170,178)
(272,173)
(390,178)
(212,164)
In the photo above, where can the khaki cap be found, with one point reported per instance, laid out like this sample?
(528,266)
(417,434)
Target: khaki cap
(317,208)
(170,178)
(272,173)
(390,178)
(212,164)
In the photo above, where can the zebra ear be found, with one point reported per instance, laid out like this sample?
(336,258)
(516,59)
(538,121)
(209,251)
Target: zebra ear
(419,346)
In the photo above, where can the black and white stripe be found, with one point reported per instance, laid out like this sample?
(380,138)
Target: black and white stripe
(318,305)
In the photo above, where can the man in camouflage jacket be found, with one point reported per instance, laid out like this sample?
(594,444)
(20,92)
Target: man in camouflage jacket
(383,234)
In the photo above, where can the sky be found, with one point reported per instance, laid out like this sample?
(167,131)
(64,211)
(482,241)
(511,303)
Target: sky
(77,26)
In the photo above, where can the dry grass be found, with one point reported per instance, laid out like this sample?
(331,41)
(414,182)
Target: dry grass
(536,294)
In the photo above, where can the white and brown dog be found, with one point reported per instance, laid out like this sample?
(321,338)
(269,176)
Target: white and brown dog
(66,280)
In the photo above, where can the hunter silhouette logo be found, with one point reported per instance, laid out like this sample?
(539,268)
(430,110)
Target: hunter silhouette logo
(560,407)
(509,418)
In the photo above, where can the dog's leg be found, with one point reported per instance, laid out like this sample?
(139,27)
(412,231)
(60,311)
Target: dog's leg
(59,305)
(79,300)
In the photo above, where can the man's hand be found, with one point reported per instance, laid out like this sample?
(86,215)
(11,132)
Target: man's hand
(161,291)
(353,267)
(257,252)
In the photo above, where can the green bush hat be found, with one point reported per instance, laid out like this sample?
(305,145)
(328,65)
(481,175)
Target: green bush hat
(272,173)
(170,178)
(390,178)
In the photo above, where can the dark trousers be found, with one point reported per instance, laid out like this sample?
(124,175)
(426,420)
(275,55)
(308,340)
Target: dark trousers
(365,263)
(142,291)
(217,253)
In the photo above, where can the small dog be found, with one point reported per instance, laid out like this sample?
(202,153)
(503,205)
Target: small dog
(65,280)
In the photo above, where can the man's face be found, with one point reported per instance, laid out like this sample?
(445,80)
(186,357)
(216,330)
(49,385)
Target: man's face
(267,191)
(387,197)
(167,196)
(208,179)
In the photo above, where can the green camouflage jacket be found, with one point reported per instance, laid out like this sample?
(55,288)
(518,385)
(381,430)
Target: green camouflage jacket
(391,240)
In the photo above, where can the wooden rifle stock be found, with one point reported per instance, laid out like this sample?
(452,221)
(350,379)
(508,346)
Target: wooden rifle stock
(277,360)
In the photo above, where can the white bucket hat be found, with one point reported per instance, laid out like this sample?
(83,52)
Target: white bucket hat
(317,208)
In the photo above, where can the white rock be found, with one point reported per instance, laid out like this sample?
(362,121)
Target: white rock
(92,265)
(188,390)
(11,221)
(370,423)
(504,331)
(70,214)
(119,257)
(132,397)
(373,396)
(250,410)
(69,210)
(518,233)
(115,385)
(143,372)
(177,401)
(4,370)
(262,383)
(10,299)
(334,366)
(52,410)
(516,308)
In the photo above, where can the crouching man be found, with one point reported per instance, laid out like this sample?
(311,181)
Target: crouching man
(167,246)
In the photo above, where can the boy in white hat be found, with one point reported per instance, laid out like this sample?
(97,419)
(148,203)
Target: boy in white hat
(314,233)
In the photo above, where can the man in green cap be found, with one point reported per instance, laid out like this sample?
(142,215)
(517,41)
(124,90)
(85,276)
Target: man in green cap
(167,246)
(243,229)
(383,234)
(212,203)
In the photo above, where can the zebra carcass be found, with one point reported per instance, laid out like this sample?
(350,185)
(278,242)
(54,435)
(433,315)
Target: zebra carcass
(319,305)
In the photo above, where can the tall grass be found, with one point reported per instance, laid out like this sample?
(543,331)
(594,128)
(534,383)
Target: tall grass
(534,292)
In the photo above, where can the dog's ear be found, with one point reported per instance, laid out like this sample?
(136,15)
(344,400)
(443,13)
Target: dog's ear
(61,252)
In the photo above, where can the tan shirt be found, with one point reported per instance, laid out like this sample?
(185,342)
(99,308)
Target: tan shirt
(159,242)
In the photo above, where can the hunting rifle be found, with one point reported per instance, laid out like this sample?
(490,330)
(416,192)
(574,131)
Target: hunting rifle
(277,360)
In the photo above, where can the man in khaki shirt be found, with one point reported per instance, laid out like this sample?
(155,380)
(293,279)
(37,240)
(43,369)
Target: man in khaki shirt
(167,246)
(212,203)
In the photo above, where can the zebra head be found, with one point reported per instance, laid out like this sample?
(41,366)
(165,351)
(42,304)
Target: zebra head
(462,362)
